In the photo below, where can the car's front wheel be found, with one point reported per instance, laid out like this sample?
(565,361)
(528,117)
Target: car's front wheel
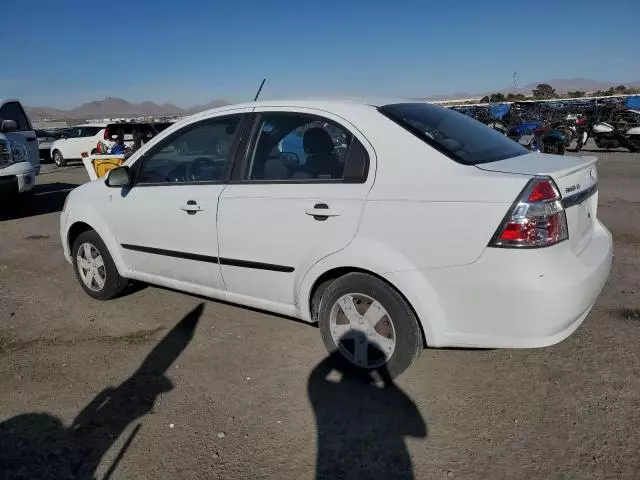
(369,325)
(94,267)
(58,159)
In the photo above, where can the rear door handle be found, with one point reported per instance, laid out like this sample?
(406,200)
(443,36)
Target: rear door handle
(321,211)
(191,207)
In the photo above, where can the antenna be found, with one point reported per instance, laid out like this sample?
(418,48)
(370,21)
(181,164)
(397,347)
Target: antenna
(259,89)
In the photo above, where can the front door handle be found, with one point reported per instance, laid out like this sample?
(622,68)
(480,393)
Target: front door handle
(321,211)
(191,207)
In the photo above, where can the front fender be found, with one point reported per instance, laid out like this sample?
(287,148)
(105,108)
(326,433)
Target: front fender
(380,260)
(86,213)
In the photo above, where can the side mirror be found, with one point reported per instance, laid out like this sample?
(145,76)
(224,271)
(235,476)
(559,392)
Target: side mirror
(8,126)
(118,177)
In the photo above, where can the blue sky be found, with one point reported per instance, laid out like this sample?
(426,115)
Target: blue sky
(63,53)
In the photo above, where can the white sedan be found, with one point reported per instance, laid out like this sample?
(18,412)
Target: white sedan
(393,225)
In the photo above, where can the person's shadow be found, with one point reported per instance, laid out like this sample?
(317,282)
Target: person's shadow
(38,445)
(361,423)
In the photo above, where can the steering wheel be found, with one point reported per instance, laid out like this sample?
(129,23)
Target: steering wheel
(195,169)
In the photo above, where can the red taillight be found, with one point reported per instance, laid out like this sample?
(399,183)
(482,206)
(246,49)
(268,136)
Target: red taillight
(536,220)
(543,190)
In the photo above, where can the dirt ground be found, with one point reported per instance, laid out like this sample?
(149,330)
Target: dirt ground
(233,393)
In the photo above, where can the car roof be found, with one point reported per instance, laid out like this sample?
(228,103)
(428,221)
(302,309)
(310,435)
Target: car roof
(329,104)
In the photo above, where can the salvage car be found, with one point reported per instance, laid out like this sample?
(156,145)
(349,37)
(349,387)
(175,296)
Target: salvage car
(83,140)
(397,225)
(19,159)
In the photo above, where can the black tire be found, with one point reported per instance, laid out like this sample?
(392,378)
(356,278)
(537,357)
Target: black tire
(58,159)
(408,336)
(114,284)
(561,149)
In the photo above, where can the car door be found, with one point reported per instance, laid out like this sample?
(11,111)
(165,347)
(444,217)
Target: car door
(166,222)
(23,140)
(297,198)
(88,140)
(69,144)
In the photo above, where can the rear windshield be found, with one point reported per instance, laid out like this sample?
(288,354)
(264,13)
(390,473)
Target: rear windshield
(458,136)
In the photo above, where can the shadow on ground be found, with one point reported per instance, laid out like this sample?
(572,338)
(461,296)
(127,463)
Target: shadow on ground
(48,198)
(362,422)
(37,445)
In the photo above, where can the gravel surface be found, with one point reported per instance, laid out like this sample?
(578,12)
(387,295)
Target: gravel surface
(159,384)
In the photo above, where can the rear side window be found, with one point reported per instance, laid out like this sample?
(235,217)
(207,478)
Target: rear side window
(297,147)
(160,126)
(458,136)
(13,111)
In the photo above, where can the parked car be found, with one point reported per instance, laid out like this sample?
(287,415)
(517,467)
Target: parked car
(82,140)
(160,126)
(45,140)
(19,160)
(431,229)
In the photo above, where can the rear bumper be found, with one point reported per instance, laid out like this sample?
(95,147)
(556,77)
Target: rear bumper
(517,298)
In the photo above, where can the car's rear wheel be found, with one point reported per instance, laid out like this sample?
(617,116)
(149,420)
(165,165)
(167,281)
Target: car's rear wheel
(94,267)
(369,325)
(58,159)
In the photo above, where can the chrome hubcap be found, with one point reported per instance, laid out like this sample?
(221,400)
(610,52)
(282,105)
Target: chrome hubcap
(91,267)
(363,330)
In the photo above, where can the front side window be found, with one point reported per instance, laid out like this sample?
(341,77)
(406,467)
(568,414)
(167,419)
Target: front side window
(298,147)
(197,153)
(13,111)
(460,137)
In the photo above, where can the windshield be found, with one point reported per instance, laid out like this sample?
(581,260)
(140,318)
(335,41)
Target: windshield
(458,136)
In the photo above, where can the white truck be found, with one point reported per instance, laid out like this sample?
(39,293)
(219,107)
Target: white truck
(19,156)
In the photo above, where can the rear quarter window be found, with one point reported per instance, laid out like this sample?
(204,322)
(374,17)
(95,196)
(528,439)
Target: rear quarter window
(90,131)
(458,136)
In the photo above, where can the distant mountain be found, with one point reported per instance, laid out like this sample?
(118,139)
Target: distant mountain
(38,113)
(453,96)
(207,106)
(117,107)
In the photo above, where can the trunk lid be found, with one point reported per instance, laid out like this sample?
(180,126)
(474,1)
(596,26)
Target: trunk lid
(577,180)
